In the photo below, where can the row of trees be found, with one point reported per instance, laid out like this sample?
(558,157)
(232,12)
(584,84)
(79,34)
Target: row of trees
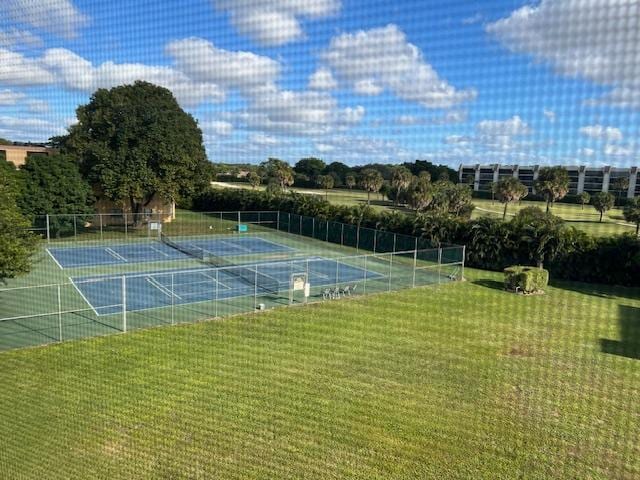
(533,236)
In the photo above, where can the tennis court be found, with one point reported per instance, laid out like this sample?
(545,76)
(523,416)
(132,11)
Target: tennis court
(156,251)
(149,290)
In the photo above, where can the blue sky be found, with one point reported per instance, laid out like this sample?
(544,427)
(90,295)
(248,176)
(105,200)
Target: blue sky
(552,81)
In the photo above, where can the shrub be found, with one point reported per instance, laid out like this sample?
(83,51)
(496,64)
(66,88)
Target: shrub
(525,279)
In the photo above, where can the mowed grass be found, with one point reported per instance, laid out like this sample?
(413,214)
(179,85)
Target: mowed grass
(587,218)
(457,381)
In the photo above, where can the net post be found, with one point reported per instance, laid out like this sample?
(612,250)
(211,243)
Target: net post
(415,265)
(101,234)
(59,313)
(124,303)
(48,230)
(172,300)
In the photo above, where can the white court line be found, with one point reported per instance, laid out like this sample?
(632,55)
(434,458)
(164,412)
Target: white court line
(54,259)
(115,254)
(83,297)
(162,288)
(217,281)
(159,251)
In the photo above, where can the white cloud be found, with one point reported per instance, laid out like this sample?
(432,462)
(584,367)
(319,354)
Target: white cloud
(382,58)
(514,126)
(275,22)
(473,19)
(355,149)
(37,106)
(322,79)
(600,132)
(15,38)
(9,97)
(28,129)
(617,151)
(216,128)
(202,61)
(593,39)
(549,115)
(263,140)
(16,69)
(623,97)
(586,152)
(60,17)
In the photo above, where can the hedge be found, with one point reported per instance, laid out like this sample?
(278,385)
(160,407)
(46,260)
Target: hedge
(492,244)
(525,279)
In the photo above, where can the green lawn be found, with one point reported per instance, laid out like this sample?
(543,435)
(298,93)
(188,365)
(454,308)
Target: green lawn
(586,219)
(457,381)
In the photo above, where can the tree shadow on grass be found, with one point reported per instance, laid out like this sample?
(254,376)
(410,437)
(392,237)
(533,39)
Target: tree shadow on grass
(494,284)
(629,343)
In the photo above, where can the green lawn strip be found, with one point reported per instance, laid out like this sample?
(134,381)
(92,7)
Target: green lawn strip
(440,382)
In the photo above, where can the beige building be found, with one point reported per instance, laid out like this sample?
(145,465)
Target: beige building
(17,154)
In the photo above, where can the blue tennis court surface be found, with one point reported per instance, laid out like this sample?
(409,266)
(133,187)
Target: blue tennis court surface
(180,287)
(87,256)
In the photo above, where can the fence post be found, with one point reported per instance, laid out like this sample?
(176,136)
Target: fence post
(59,313)
(464,257)
(395,236)
(172,301)
(278,220)
(313,227)
(48,230)
(364,287)
(300,229)
(239,220)
(126,232)
(357,238)
(101,234)
(342,234)
(216,301)
(390,269)
(327,233)
(124,303)
(439,262)
(255,289)
(289,223)
(415,265)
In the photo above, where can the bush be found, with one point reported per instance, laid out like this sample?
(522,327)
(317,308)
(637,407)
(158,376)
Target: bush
(525,279)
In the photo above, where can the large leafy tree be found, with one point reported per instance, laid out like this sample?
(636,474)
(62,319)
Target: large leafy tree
(603,202)
(254,179)
(311,167)
(552,184)
(420,192)
(339,169)
(17,243)
(452,198)
(631,212)
(278,172)
(53,185)
(135,142)
(509,190)
(371,181)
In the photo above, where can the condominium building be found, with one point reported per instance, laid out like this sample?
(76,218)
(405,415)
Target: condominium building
(581,178)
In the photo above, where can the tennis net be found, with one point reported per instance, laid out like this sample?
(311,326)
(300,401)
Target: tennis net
(192,251)
(249,276)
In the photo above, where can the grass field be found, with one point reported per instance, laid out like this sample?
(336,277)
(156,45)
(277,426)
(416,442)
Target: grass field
(458,381)
(586,219)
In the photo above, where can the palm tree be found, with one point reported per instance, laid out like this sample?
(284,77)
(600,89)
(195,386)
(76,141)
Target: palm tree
(508,190)
(631,212)
(420,193)
(371,181)
(400,180)
(620,185)
(603,202)
(326,182)
(552,184)
(350,181)
(584,198)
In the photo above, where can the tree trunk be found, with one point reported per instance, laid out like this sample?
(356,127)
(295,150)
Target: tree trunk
(637,229)
(368,197)
(504,214)
(548,205)
(601,213)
